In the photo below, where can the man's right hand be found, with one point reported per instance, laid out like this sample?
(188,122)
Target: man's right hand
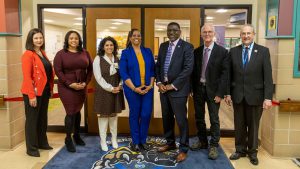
(162,88)
(228,100)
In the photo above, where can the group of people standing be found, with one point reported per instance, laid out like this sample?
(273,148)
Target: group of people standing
(242,77)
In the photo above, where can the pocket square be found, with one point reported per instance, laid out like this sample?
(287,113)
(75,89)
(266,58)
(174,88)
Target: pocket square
(255,51)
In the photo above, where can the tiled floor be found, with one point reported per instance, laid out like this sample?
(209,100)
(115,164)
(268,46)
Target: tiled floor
(17,159)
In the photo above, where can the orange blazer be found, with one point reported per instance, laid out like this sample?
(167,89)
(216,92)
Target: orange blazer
(34,75)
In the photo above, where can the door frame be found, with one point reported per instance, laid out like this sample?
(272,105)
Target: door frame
(40,7)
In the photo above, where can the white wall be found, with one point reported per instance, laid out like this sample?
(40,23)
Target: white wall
(54,39)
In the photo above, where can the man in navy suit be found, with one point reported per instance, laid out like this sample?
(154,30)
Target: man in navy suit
(251,90)
(209,81)
(173,70)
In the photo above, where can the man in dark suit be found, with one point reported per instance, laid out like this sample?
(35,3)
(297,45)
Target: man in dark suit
(173,69)
(209,81)
(251,89)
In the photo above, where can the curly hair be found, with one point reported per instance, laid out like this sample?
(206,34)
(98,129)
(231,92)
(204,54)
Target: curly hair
(66,43)
(101,51)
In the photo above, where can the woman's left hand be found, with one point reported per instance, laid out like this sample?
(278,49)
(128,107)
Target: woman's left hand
(147,88)
(82,85)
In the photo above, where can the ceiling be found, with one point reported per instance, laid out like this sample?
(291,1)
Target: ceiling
(71,18)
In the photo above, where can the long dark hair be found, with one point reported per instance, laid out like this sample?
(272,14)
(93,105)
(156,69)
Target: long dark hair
(101,51)
(29,41)
(130,33)
(66,43)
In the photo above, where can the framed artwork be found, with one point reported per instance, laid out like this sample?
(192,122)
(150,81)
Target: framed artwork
(231,42)
(10,18)
(297,45)
(281,18)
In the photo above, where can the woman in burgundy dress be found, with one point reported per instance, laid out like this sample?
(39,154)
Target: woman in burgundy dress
(73,67)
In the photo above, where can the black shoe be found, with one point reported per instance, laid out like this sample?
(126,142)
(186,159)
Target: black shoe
(134,147)
(33,153)
(78,140)
(145,147)
(253,160)
(199,145)
(70,145)
(236,156)
(47,147)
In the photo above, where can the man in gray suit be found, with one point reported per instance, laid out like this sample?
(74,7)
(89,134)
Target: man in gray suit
(251,89)
(173,69)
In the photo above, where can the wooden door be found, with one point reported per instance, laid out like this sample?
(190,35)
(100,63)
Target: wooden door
(161,15)
(92,14)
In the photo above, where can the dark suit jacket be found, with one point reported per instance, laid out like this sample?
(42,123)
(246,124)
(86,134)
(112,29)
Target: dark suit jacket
(254,83)
(216,71)
(180,68)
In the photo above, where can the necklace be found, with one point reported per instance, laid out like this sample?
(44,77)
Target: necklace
(39,52)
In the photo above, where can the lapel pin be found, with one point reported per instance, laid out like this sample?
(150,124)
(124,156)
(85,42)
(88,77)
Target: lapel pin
(178,46)
(255,51)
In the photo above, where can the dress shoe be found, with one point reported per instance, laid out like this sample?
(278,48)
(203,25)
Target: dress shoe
(166,147)
(181,157)
(70,145)
(213,153)
(134,147)
(145,147)
(236,156)
(33,153)
(199,145)
(253,160)
(47,147)
(78,140)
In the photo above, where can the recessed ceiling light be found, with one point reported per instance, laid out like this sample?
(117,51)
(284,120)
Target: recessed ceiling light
(117,23)
(209,18)
(79,19)
(113,27)
(231,26)
(106,30)
(159,29)
(77,23)
(221,10)
(48,21)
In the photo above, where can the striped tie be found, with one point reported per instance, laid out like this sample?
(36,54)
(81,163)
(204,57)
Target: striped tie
(245,57)
(168,59)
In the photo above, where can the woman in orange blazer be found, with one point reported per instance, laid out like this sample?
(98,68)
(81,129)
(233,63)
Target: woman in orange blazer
(37,88)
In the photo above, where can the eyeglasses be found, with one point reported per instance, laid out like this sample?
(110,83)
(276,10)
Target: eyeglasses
(173,30)
(207,32)
(246,33)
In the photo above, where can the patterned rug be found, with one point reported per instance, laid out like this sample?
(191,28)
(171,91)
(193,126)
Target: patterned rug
(91,157)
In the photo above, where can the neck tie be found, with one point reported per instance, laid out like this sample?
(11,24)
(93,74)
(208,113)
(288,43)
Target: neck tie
(204,63)
(245,57)
(168,60)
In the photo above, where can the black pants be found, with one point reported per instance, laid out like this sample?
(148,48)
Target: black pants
(36,122)
(200,97)
(175,106)
(246,124)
